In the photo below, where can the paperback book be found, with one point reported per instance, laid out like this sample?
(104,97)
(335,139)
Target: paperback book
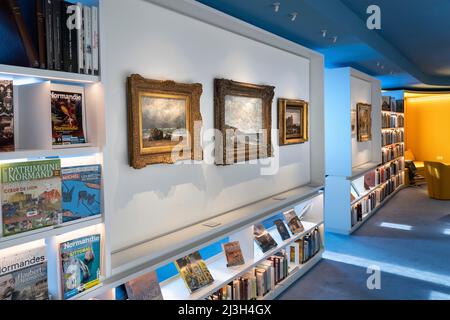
(31,195)
(145,287)
(80,264)
(263,238)
(293,222)
(233,254)
(6,116)
(194,272)
(282,230)
(81,192)
(68,112)
(23,275)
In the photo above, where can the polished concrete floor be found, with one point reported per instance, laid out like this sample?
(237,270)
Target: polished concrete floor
(408,240)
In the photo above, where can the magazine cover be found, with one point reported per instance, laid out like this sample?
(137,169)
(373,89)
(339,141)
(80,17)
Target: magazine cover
(6,116)
(81,192)
(31,195)
(293,221)
(194,272)
(80,264)
(263,238)
(23,276)
(67,115)
(233,253)
(282,230)
(145,287)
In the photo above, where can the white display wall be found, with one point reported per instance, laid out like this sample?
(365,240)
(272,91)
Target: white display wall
(161,44)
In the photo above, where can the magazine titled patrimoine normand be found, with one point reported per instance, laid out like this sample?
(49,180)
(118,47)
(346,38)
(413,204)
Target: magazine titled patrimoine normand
(23,275)
(67,115)
(80,264)
(30,195)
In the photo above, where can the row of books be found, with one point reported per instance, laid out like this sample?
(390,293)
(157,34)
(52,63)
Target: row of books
(383,174)
(54,34)
(23,275)
(391,137)
(392,121)
(258,282)
(374,199)
(304,249)
(67,112)
(39,194)
(393,105)
(391,153)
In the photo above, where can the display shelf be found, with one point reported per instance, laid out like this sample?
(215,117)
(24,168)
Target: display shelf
(48,232)
(392,145)
(16,73)
(362,170)
(60,152)
(390,129)
(389,162)
(392,112)
(176,244)
(371,213)
(375,188)
(296,273)
(175,288)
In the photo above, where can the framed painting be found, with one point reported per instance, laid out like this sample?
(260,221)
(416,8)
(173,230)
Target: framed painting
(164,121)
(292,121)
(364,116)
(243,119)
(353,122)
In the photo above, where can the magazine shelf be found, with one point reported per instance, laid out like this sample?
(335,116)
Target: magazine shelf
(44,153)
(362,170)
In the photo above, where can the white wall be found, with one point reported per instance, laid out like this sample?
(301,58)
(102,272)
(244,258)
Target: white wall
(160,44)
(361,92)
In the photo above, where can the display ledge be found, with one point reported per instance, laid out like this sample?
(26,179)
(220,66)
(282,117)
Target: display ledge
(175,288)
(390,129)
(48,232)
(178,243)
(393,112)
(370,214)
(296,273)
(375,189)
(59,152)
(24,72)
(392,144)
(363,169)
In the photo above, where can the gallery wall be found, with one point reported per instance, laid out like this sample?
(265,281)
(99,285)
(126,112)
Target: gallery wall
(161,44)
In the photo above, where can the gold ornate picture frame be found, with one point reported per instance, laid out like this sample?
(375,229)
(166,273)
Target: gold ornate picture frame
(164,121)
(364,116)
(293,118)
(243,118)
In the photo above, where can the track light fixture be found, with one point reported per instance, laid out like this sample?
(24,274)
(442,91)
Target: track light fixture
(276,6)
(294,16)
(324,33)
(334,39)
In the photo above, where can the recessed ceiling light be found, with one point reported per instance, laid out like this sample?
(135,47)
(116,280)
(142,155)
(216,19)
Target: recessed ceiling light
(378,63)
(324,33)
(334,39)
(294,16)
(276,6)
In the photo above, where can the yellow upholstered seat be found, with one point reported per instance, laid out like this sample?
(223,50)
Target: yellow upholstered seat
(420,166)
(438,179)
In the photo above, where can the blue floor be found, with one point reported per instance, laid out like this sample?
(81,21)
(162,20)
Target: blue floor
(408,240)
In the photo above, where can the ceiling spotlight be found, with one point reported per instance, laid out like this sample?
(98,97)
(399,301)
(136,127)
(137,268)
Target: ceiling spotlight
(378,63)
(334,39)
(382,67)
(276,6)
(294,16)
(324,33)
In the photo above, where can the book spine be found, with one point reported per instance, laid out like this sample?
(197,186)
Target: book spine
(48,11)
(31,52)
(95,42)
(87,40)
(57,42)
(80,37)
(40,18)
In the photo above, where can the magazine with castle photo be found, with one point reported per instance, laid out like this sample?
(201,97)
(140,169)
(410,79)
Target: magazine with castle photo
(6,116)
(263,238)
(233,253)
(293,221)
(68,115)
(81,192)
(31,195)
(23,275)
(282,230)
(145,287)
(194,271)
(80,264)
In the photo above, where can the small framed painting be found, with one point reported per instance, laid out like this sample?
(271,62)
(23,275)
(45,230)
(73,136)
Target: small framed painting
(353,122)
(364,116)
(292,121)
(164,121)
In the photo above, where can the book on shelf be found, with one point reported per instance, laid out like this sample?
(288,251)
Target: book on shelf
(370,180)
(233,254)
(68,115)
(6,116)
(386,103)
(282,230)
(293,221)
(263,238)
(81,192)
(23,275)
(31,195)
(145,287)
(194,271)
(80,264)
(305,248)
